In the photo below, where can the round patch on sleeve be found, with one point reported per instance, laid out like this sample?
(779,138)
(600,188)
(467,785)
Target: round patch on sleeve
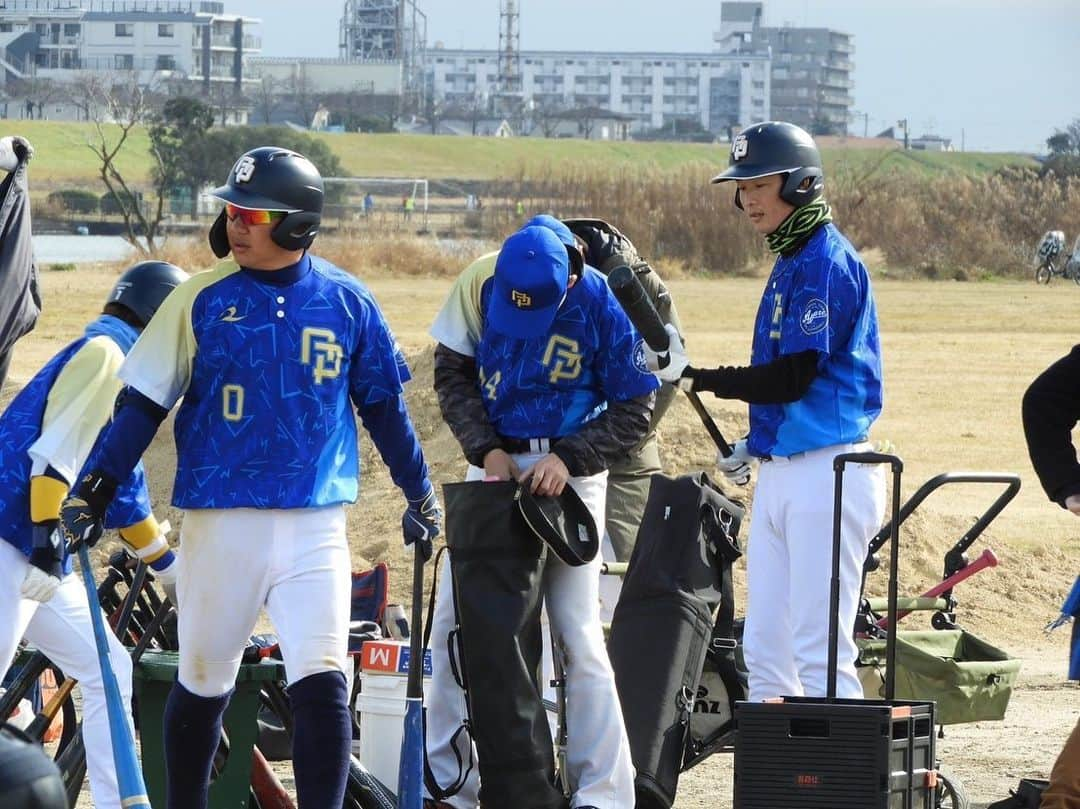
(639,356)
(815,316)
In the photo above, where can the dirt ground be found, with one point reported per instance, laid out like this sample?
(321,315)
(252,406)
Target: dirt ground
(957,360)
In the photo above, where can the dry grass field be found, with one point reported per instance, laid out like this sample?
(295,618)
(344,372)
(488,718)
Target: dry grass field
(958,357)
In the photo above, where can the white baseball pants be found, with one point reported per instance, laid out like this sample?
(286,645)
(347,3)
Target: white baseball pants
(789,567)
(62,629)
(234,562)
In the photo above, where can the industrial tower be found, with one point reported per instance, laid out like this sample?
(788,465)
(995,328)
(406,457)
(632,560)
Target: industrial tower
(508,97)
(386,31)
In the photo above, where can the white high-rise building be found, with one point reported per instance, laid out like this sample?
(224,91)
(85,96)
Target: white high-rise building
(655,90)
(187,40)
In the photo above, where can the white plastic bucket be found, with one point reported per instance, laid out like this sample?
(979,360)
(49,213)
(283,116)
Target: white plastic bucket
(380,710)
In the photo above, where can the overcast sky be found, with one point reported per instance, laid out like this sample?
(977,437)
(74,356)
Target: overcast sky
(995,75)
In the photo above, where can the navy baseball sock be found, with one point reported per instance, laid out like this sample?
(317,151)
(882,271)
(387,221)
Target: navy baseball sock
(192,733)
(322,739)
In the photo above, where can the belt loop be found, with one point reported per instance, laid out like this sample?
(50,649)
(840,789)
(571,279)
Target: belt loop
(539,446)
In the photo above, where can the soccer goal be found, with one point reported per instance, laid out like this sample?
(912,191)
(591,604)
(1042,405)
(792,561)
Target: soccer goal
(384,198)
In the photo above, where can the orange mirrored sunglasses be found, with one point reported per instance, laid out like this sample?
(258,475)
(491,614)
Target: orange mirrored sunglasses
(251,217)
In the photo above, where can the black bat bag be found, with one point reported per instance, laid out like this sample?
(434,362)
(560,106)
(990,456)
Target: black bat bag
(663,624)
(497,565)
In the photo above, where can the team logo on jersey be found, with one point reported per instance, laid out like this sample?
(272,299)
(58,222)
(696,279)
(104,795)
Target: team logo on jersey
(230,316)
(815,316)
(522,300)
(563,357)
(319,348)
(739,147)
(640,362)
(244,169)
(777,316)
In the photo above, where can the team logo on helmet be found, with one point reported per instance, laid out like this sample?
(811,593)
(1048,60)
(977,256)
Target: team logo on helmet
(245,169)
(739,147)
(522,300)
(815,316)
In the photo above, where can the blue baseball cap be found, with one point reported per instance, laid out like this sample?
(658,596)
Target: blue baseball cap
(531,276)
(548,221)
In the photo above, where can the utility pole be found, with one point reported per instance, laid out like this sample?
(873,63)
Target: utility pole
(903,125)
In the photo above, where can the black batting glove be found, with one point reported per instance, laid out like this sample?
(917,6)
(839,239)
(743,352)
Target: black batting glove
(422,521)
(82,515)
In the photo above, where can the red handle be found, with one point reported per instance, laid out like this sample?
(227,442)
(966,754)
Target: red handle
(987,559)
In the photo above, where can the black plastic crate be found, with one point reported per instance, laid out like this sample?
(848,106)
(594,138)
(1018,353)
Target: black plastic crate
(816,753)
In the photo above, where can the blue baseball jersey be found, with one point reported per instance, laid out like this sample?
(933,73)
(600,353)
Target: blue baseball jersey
(267,365)
(57,420)
(547,387)
(819,299)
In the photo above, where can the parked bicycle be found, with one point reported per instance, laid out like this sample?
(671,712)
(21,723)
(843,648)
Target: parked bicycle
(1051,259)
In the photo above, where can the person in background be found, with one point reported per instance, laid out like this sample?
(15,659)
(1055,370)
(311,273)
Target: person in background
(48,436)
(1050,410)
(20,297)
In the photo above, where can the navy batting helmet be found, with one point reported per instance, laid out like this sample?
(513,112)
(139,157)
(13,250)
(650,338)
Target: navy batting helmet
(777,147)
(144,286)
(562,522)
(29,779)
(273,179)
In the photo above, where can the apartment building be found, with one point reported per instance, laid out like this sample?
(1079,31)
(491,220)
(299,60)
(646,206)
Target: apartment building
(812,68)
(652,90)
(186,40)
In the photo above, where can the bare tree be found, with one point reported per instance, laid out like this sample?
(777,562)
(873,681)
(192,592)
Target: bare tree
(547,115)
(302,90)
(226,100)
(38,93)
(116,110)
(586,119)
(266,97)
(84,91)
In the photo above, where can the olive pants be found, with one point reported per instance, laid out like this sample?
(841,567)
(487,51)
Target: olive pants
(627,493)
(1064,789)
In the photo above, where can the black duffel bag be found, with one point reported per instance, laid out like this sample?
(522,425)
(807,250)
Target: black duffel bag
(497,565)
(679,572)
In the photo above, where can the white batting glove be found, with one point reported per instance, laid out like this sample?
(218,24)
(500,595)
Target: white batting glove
(12,148)
(738,465)
(668,366)
(39,585)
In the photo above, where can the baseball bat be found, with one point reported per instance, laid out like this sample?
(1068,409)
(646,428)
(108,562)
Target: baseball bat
(411,765)
(40,724)
(128,772)
(986,559)
(635,302)
(268,789)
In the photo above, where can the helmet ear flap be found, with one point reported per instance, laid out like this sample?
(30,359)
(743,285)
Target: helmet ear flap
(577,261)
(802,186)
(296,231)
(219,239)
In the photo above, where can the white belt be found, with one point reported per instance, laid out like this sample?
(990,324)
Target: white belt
(834,449)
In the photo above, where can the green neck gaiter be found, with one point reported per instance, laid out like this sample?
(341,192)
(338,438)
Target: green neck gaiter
(799,224)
